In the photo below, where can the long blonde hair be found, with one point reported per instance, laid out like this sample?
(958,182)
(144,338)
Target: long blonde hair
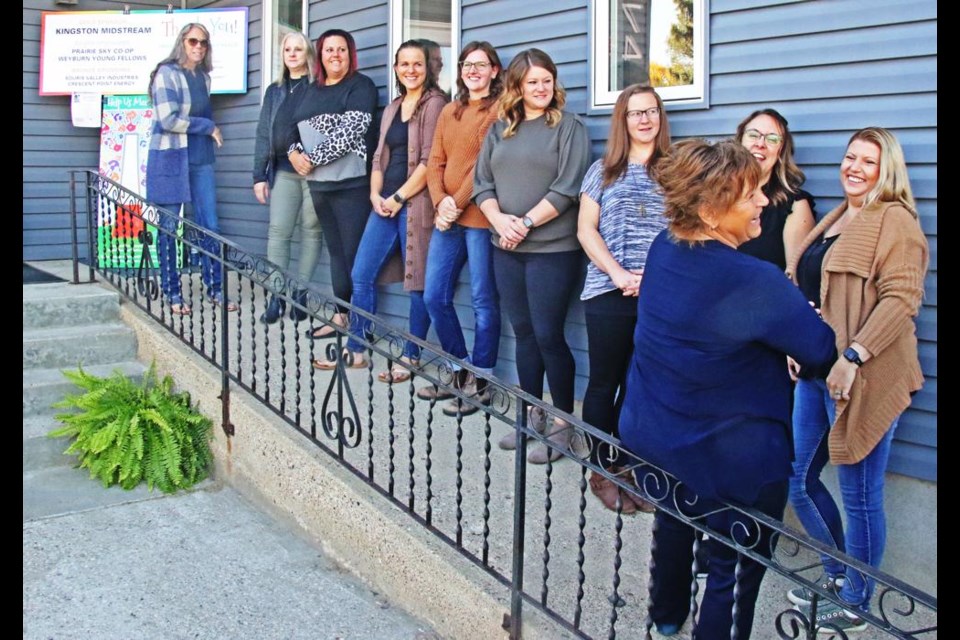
(893,183)
(511,102)
(307,47)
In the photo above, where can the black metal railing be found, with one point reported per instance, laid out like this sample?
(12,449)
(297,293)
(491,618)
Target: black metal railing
(533,528)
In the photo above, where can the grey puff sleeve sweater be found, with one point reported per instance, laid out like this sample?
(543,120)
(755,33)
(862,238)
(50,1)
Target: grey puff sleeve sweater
(537,162)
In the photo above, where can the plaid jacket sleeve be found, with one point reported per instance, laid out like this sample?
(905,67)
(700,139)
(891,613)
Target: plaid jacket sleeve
(171,101)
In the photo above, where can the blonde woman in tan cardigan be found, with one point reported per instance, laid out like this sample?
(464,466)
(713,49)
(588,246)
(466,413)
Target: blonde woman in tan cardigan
(863,265)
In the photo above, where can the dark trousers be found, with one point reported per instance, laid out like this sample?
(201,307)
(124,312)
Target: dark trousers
(343,216)
(535,290)
(611,319)
(673,556)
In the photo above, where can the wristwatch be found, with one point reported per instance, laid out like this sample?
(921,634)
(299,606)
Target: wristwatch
(528,222)
(398,198)
(852,356)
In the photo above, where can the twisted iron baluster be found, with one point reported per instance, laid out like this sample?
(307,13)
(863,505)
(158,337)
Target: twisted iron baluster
(429,463)
(548,504)
(648,620)
(283,366)
(298,364)
(370,395)
(581,541)
(266,356)
(411,423)
(459,468)
(390,426)
(615,599)
(486,488)
(735,610)
(694,585)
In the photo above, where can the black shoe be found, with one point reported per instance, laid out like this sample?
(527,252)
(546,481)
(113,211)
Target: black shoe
(299,298)
(274,310)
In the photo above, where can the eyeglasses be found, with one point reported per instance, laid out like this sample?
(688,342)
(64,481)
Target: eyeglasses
(637,114)
(479,66)
(197,42)
(752,135)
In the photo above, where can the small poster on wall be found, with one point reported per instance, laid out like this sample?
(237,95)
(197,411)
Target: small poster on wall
(124,142)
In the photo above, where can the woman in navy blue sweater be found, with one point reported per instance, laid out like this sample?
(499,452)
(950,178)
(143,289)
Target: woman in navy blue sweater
(709,399)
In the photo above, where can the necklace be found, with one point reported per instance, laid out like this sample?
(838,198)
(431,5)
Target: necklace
(295,84)
(636,185)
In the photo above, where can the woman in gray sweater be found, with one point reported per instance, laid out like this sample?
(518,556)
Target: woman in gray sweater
(527,181)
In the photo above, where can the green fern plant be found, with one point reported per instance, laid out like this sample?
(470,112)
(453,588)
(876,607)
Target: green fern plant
(127,432)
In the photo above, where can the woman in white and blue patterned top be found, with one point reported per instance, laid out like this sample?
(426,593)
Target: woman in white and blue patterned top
(621,212)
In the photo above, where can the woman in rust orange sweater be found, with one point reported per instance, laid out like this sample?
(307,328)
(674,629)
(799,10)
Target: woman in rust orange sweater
(462,232)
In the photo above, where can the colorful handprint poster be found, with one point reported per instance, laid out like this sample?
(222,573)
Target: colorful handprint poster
(124,141)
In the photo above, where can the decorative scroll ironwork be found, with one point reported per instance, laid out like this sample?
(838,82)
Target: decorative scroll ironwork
(444,510)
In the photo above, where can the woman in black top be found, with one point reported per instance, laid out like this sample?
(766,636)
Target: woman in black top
(789,216)
(330,146)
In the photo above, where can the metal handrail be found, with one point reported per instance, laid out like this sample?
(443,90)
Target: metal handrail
(245,360)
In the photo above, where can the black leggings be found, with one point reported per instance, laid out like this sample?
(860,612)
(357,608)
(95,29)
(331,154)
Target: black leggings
(535,290)
(611,319)
(343,215)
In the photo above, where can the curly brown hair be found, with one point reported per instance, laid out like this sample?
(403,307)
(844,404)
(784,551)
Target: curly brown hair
(699,177)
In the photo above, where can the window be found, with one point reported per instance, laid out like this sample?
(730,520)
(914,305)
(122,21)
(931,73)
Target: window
(662,42)
(437,20)
(282,16)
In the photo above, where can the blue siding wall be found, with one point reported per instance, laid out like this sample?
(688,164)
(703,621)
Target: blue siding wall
(829,67)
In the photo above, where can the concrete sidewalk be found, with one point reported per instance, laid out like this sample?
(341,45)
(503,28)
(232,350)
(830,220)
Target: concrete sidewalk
(108,563)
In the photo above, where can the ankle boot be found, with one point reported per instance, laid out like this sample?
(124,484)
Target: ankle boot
(296,313)
(557,433)
(536,420)
(274,310)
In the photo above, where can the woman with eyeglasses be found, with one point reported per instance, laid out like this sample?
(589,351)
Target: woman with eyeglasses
(181,158)
(462,234)
(330,147)
(274,178)
(621,212)
(527,183)
(789,216)
(863,266)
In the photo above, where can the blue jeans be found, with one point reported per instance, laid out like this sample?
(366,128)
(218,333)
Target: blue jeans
(449,251)
(381,237)
(203,192)
(861,490)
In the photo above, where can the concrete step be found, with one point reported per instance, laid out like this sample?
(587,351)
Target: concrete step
(43,387)
(68,305)
(68,347)
(41,452)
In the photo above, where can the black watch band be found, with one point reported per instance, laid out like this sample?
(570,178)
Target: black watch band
(398,199)
(852,356)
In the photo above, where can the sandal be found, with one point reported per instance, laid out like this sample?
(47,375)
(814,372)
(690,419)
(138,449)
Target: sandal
(180,309)
(325,331)
(218,300)
(351,360)
(397,373)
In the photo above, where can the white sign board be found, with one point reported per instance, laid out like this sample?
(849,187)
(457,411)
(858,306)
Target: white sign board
(110,52)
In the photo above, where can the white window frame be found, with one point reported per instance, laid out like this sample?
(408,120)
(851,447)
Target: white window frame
(695,95)
(266,41)
(396,37)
